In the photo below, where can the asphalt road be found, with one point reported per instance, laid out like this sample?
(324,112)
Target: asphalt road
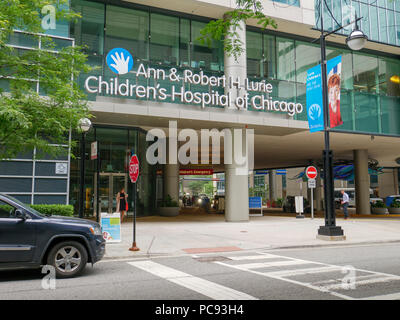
(346,272)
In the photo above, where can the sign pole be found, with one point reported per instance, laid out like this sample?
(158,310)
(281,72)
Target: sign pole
(98,204)
(134,174)
(312,203)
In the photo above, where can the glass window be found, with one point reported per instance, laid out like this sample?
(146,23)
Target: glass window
(391,27)
(366,112)
(269,64)
(6,210)
(365,73)
(398,27)
(307,56)
(365,21)
(254,54)
(390,114)
(184,46)
(289,2)
(89,30)
(128,29)
(203,56)
(346,110)
(388,71)
(383,27)
(285,59)
(114,150)
(164,39)
(373,15)
(259,181)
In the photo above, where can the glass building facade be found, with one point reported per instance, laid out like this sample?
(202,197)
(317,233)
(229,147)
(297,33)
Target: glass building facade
(380,18)
(369,97)
(115,147)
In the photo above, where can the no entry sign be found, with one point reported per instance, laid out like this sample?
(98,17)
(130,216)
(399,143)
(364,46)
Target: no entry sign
(134,168)
(311,172)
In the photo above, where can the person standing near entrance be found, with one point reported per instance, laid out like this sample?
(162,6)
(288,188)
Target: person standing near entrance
(345,203)
(122,203)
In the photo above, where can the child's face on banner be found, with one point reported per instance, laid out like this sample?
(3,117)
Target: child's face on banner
(334,97)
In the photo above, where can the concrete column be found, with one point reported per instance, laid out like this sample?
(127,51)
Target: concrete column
(236,176)
(361,181)
(272,185)
(237,68)
(236,182)
(171,181)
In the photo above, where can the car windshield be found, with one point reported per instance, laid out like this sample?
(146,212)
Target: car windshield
(25,206)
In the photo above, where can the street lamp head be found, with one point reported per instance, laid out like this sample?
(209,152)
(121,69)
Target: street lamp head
(356,40)
(85,124)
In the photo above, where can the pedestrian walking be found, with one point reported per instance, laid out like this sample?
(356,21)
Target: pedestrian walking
(345,204)
(122,203)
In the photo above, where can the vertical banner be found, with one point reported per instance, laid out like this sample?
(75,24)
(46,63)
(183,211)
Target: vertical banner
(315,112)
(334,73)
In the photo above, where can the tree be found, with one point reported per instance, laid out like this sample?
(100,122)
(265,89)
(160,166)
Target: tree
(31,119)
(226,28)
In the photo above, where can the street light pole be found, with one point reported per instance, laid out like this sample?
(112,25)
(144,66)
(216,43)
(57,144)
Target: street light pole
(82,177)
(329,229)
(84,125)
(355,41)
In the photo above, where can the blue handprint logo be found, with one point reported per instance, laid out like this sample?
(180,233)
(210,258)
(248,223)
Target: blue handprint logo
(119,60)
(314,112)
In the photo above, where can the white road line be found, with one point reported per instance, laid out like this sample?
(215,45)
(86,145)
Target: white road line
(257,257)
(307,285)
(281,275)
(202,286)
(260,265)
(338,286)
(391,296)
(296,272)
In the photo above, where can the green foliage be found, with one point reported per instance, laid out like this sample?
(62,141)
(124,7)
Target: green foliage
(279,202)
(226,28)
(197,187)
(395,204)
(378,204)
(54,209)
(169,202)
(27,119)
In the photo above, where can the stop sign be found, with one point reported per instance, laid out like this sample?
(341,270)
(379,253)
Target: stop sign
(134,168)
(311,172)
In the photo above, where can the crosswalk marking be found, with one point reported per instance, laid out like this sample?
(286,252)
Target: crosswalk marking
(328,286)
(392,296)
(202,286)
(270,264)
(338,286)
(296,272)
(254,257)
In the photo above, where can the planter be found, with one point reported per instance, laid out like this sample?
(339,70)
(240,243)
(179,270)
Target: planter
(168,211)
(394,210)
(379,210)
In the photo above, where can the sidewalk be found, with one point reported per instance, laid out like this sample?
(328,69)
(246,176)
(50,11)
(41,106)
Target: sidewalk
(210,233)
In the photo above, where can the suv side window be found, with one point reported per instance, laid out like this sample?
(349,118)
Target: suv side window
(6,210)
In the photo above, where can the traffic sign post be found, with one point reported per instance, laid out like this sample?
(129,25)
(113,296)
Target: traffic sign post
(312,185)
(311,173)
(134,175)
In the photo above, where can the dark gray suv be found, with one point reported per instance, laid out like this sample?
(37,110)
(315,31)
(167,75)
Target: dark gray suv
(29,239)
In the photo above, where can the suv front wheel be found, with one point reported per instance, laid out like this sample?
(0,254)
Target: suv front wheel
(69,258)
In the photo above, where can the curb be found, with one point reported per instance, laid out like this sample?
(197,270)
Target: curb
(175,255)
